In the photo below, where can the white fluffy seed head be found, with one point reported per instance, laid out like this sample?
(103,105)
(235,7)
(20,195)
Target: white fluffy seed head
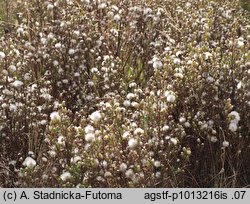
(170,96)
(65,176)
(50,6)
(157,64)
(107,174)
(129,173)
(117,17)
(135,104)
(71,51)
(61,140)
(58,45)
(2,55)
(132,143)
(225,144)
(174,141)
(126,103)
(176,60)
(125,135)
(182,119)
(89,137)
(89,129)
(165,128)
(157,164)
(55,63)
(208,55)
(240,42)
(43,122)
(123,167)
(55,116)
(13,108)
(233,127)
(213,139)
(130,96)
(29,162)
(139,131)
(17,83)
(96,116)
(102,5)
(20,31)
(12,68)
(234,116)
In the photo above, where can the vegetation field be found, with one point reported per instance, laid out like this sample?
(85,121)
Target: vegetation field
(129,93)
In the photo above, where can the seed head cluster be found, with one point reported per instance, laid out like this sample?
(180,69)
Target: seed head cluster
(107,93)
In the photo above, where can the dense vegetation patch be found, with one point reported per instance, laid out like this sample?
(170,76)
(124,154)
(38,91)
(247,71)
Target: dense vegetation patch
(123,94)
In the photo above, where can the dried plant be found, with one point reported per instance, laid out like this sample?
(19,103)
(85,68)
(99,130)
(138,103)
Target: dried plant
(124,93)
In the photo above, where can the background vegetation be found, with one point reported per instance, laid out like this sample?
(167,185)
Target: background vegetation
(108,93)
